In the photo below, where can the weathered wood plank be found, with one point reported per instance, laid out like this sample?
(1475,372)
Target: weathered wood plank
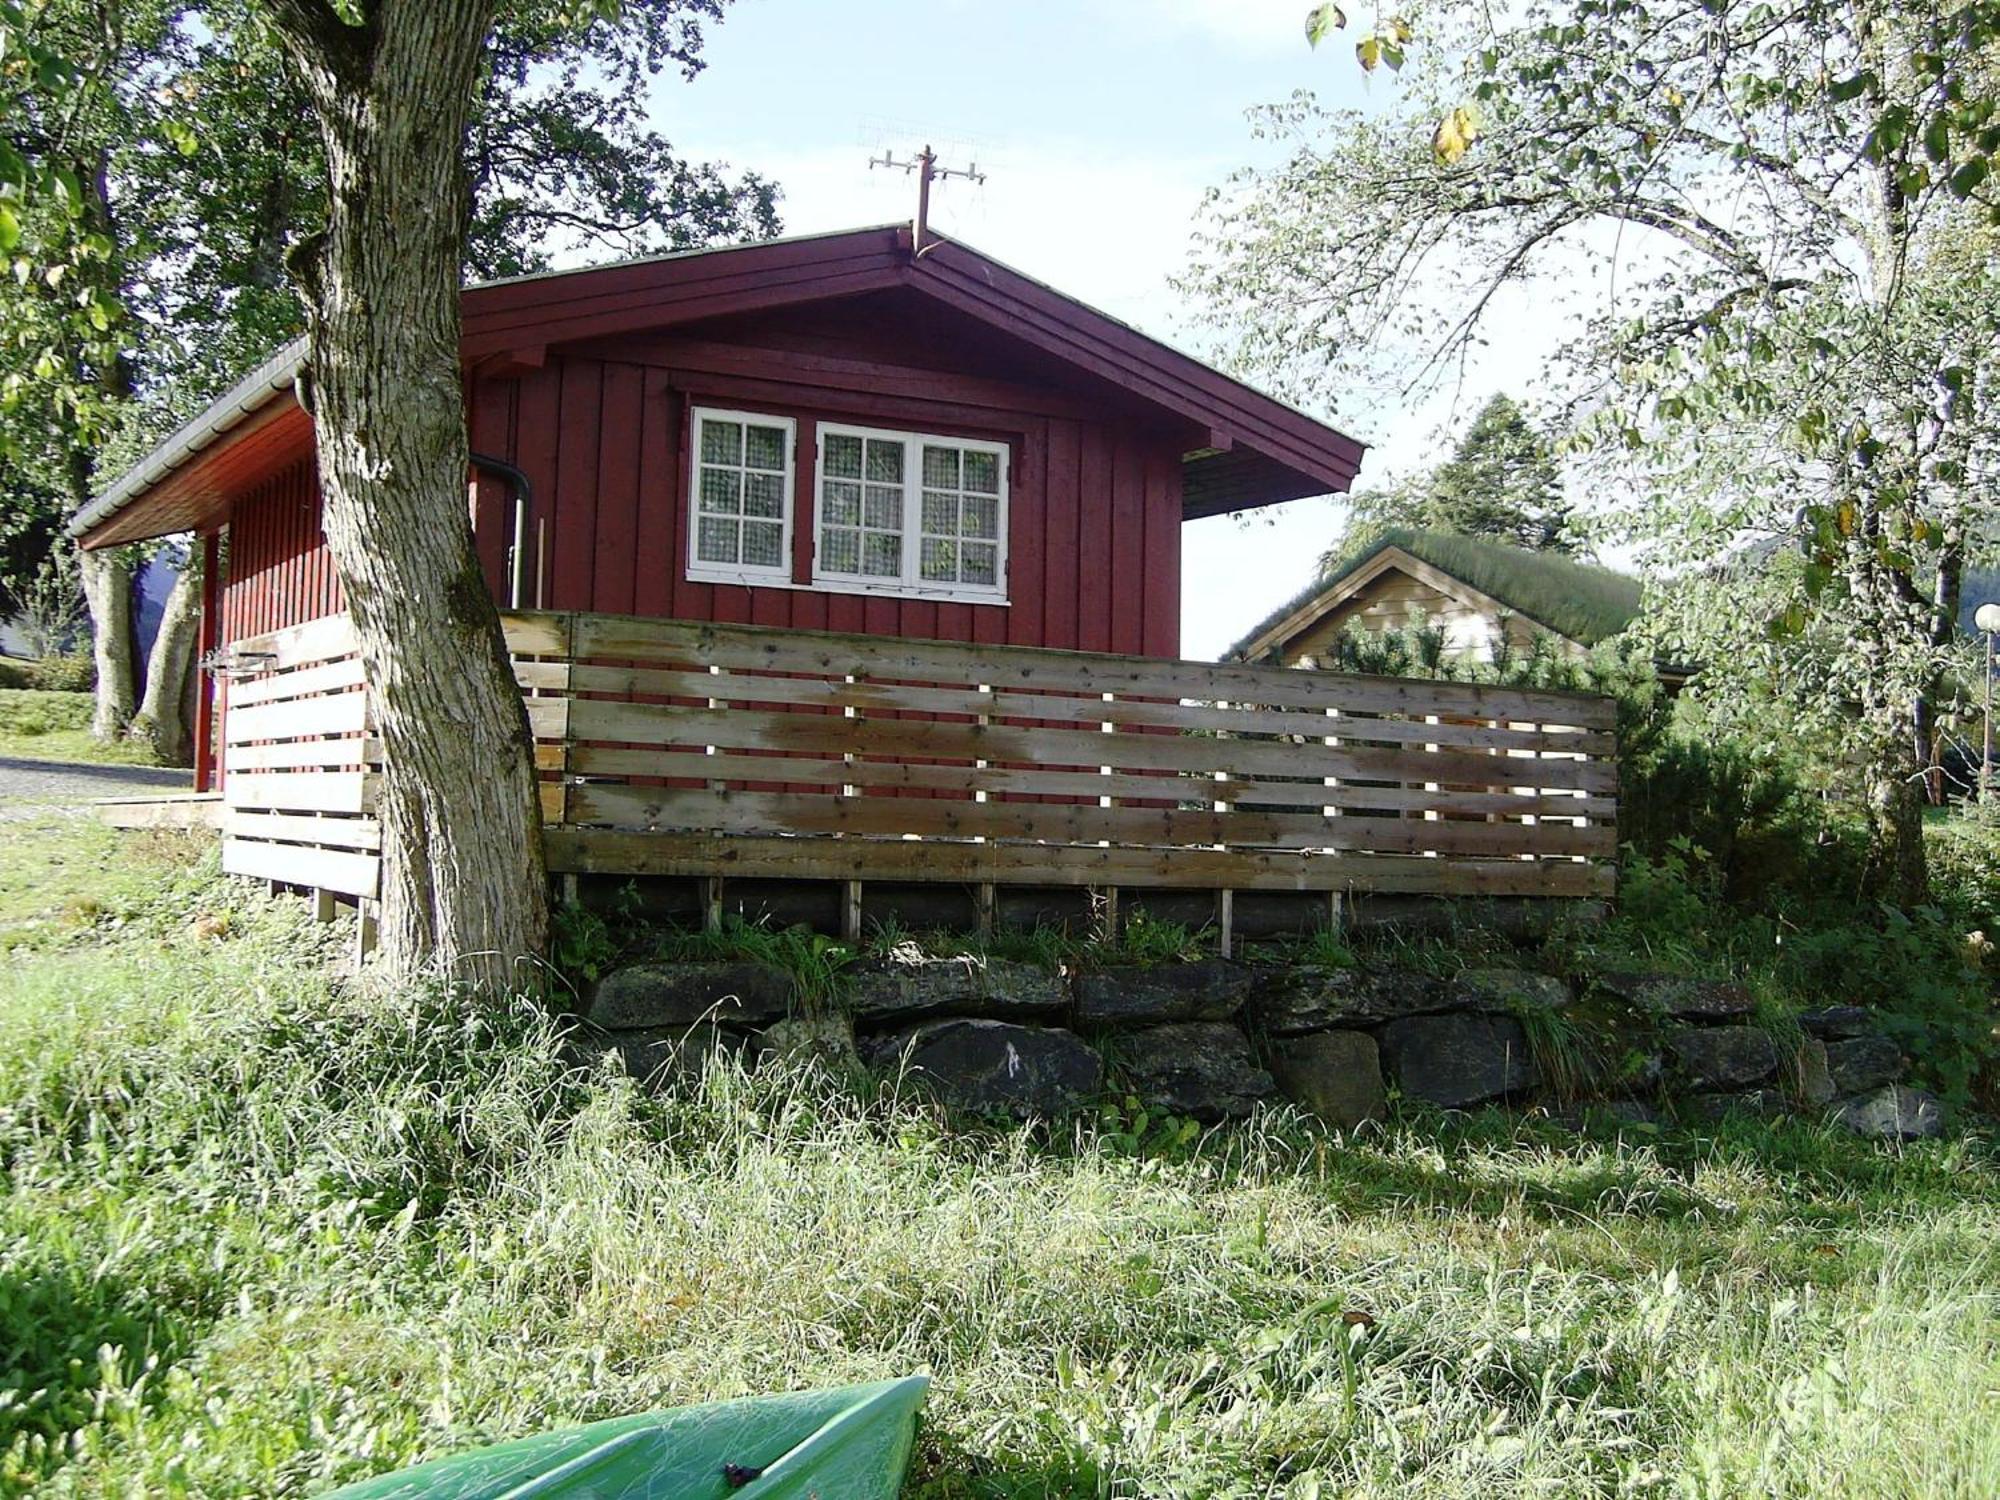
(532,633)
(826,654)
(289,755)
(768,812)
(303,791)
(741,856)
(339,713)
(921,739)
(736,689)
(328,677)
(334,833)
(590,760)
(187,810)
(296,864)
(304,644)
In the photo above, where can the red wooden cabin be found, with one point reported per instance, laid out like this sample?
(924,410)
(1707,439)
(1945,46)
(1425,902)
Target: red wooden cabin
(925,516)
(929,446)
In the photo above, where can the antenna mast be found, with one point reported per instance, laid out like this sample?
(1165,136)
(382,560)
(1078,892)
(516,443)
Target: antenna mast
(924,164)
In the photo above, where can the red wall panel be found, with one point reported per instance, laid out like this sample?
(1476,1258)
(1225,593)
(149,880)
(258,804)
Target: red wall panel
(1093,516)
(278,572)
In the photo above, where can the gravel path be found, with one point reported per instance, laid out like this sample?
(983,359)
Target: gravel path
(25,782)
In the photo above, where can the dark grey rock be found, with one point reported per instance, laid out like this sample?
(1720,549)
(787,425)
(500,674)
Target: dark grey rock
(1765,1104)
(1813,1076)
(1894,1113)
(1335,1074)
(659,1056)
(1628,1111)
(1288,1001)
(1606,1114)
(1507,990)
(1200,1068)
(891,990)
(669,995)
(1213,989)
(986,1065)
(1862,1064)
(1456,1060)
(1678,996)
(1714,1059)
(1836,1022)
(827,1039)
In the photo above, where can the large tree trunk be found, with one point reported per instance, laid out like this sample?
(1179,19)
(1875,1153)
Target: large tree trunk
(162,720)
(107,589)
(463,876)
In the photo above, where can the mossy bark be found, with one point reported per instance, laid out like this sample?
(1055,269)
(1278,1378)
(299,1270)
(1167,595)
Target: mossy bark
(464,888)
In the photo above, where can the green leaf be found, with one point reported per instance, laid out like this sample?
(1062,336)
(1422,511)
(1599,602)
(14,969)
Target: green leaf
(1368,52)
(1966,180)
(1322,20)
(10,228)
(181,137)
(1937,137)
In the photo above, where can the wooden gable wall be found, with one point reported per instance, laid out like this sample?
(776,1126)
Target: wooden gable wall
(1094,510)
(1395,599)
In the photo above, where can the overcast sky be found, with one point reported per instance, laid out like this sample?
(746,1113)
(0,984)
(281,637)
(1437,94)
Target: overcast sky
(1100,123)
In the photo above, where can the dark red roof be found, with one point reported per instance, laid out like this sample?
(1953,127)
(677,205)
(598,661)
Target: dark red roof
(1254,450)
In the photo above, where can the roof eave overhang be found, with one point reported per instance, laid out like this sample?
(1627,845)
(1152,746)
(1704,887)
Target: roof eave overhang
(1259,451)
(117,515)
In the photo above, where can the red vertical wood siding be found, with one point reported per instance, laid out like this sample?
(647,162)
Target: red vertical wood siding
(1093,517)
(278,572)
(1093,513)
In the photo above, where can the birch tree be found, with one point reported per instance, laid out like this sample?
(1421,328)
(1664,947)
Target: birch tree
(1800,351)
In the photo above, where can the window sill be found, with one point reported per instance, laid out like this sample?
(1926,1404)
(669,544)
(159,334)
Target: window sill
(852,586)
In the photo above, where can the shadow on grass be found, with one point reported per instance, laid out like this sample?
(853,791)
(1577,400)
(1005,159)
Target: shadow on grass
(72,1338)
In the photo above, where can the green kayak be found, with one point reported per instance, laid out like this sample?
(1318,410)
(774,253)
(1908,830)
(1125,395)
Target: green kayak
(849,1444)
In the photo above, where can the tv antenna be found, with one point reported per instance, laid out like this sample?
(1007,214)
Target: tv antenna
(925,165)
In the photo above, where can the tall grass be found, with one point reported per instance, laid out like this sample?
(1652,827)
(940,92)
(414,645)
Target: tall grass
(263,1231)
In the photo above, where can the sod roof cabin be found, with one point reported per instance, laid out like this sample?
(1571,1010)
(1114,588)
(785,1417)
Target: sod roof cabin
(1477,591)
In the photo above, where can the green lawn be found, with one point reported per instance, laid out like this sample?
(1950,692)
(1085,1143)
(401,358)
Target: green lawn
(262,1231)
(37,725)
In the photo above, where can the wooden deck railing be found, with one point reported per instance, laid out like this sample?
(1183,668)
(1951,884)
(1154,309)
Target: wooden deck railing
(691,749)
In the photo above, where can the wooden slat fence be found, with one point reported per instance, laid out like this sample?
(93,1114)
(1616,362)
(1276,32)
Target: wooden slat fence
(682,748)
(692,748)
(299,766)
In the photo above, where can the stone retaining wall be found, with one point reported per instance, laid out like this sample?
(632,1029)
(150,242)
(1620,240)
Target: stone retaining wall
(1214,1039)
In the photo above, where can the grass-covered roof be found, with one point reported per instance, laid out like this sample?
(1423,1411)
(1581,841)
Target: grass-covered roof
(1580,600)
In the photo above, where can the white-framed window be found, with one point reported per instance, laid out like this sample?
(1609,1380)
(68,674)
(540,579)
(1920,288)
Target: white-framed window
(911,513)
(740,497)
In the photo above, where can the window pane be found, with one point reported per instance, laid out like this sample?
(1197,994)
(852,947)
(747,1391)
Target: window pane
(885,508)
(982,473)
(940,564)
(840,551)
(764,447)
(843,503)
(981,563)
(940,514)
(721,442)
(843,456)
(885,462)
(882,557)
(763,544)
(941,467)
(982,516)
(721,491)
(716,541)
(764,495)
